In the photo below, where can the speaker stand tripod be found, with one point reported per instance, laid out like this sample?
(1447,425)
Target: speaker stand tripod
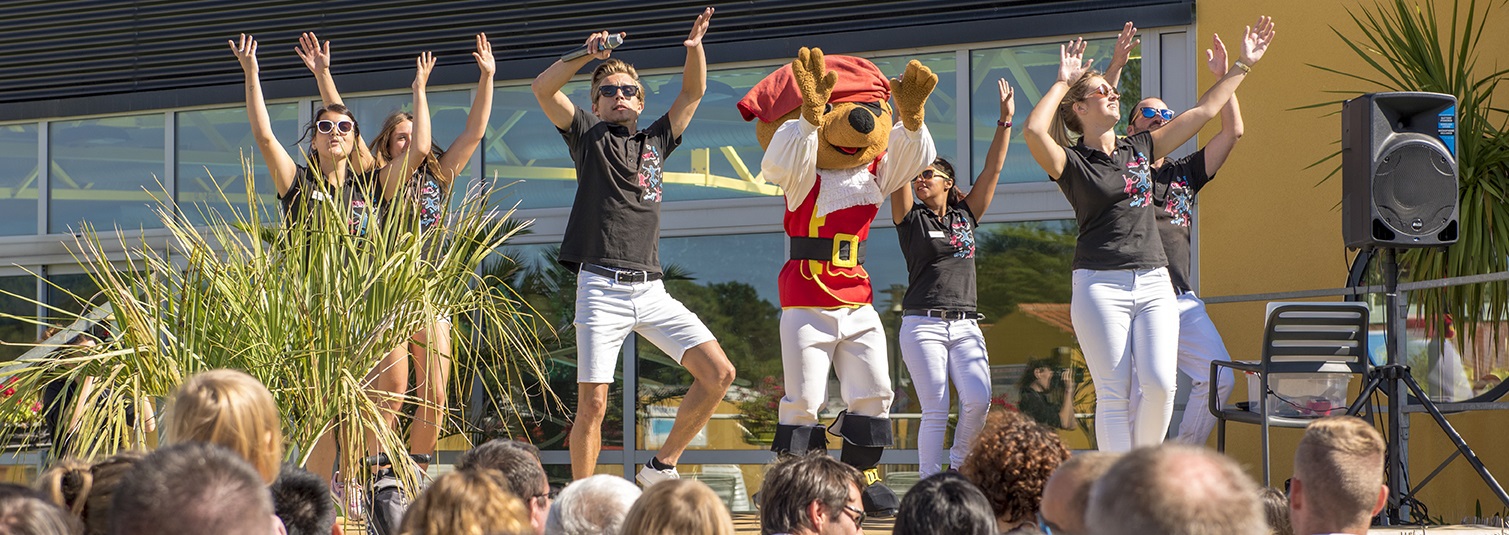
(1395,381)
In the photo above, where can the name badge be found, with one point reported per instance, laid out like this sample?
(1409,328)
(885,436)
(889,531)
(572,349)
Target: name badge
(935,234)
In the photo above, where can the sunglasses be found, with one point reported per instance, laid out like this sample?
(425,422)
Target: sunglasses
(326,126)
(611,91)
(1104,90)
(858,517)
(1149,113)
(928,174)
(1044,525)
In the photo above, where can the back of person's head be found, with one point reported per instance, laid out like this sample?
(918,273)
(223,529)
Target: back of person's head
(192,488)
(1066,496)
(1338,476)
(679,507)
(796,482)
(86,490)
(467,502)
(231,409)
(945,503)
(24,511)
(592,506)
(1011,460)
(519,462)
(302,501)
(1175,490)
(1276,508)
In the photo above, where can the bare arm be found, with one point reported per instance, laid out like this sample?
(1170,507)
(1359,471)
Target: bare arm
(693,76)
(403,165)
(547,86)
(984,190)
(455,159)
(1124,45)
(279,164)
(1049,155)
(1066,417)
(316,57)
(1220,146)
(1254,43)
(901,203)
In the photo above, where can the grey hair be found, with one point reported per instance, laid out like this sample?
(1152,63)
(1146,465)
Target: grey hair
(593,506)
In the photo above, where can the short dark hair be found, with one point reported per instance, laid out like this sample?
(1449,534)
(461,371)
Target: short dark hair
(945,503)
(519,462)
(796,481)
(302,501)
(192,487)
(23,510)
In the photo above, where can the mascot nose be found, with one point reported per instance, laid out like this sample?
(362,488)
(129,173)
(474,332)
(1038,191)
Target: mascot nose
(861,120)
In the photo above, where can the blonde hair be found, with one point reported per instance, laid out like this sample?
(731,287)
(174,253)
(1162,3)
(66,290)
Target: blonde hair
(231,409)
(1066,128)
(678,507)
(85,490)
(612,67)
(1340,465)
(467,502)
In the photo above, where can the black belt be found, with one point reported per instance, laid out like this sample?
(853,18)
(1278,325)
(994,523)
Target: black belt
(844,250)
(952,315)
(630,277)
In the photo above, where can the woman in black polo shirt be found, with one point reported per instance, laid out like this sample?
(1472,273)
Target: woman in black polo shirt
(940,339)
(1123,303)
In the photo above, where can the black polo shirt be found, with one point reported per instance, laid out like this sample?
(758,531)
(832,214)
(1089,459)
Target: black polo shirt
(1174,188)
(358,196)
(940,257)
(615,219)
(1112,196)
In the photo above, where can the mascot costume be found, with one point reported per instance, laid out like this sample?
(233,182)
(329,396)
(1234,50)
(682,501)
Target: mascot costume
(832,145)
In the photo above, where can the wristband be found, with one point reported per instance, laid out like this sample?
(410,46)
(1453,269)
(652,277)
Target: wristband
(1003,124)
(1246,69)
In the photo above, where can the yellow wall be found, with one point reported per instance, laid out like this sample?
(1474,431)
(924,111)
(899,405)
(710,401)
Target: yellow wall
(1266,226)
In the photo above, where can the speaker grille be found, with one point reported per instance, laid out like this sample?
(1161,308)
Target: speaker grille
(1414,185)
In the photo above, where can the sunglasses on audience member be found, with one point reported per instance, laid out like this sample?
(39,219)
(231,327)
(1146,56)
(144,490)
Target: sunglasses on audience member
(858,517)
(611,91)
(326,126)
(928,174)
(1149,113)
(1044,525)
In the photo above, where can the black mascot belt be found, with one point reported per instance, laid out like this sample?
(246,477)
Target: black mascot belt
(844,250)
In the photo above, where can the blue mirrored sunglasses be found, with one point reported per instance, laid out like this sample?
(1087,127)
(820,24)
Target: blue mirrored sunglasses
(1167,115)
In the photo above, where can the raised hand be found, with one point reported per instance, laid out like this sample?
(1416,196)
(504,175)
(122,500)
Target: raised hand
(246,52)
(1008,100)
(1215,56)
(1071,60)
(1124,45)
(815,82)
(1255,40)
(484,56)
(315,55)
(911,92)
(597,45)
(424,64)
(699,29)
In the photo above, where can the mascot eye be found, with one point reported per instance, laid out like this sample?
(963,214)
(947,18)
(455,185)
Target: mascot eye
(828,109)
(874,107)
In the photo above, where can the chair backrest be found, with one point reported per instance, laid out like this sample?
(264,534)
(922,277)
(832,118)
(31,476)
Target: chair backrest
(1316,337)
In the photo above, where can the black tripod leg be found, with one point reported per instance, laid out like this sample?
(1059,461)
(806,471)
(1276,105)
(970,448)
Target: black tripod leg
(1456,438)
(1374,381)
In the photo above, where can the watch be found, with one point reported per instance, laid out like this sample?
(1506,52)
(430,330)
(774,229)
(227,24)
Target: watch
(1003,124)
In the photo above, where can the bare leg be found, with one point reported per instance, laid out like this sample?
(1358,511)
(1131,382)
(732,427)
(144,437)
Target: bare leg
(712,374)
(323,456)
(432,373)
(587,429)
(390,377)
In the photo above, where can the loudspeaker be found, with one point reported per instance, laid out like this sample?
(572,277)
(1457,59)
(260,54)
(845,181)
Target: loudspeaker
(1399,170)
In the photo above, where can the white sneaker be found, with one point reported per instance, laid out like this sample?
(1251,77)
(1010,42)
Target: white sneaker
(650,476)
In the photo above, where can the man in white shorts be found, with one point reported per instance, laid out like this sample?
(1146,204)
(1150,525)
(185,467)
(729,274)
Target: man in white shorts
(612,240)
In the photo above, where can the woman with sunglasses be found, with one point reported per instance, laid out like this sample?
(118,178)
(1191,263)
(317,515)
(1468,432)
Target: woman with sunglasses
(428,189)
(1123,306)
(940,339)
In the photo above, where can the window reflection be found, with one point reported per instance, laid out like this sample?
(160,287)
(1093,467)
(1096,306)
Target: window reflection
(105,171)
(941,110)
(18,179)
(16,331)
(448,111)
(211,149)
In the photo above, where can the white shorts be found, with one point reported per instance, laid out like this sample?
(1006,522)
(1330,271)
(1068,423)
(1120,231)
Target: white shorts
(606,311)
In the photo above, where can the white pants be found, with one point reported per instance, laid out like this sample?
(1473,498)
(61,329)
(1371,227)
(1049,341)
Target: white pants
(936,350)
(1199,344)
(1127,323)
(606,311)
(852,342)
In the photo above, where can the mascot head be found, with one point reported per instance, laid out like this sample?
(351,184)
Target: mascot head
(855,122)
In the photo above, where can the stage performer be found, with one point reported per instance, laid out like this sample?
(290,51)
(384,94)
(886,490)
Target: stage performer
(1122,305)
(1175,183)
(612,239)
(940,337)
(823,124)
(429,192)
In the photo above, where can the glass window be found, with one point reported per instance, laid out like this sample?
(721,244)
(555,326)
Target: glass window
(105,172)
(17,331)
(448,111)
(1031,70)
(212,149)
(18,179)
(941,111)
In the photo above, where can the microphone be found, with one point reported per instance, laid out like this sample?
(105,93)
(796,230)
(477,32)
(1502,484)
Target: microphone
(611,43)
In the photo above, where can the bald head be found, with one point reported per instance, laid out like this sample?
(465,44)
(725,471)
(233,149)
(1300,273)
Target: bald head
(1067,493)
(1175,490)
(1338,477)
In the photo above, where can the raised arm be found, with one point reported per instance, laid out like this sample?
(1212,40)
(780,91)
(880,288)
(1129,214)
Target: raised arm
(693,76)
(1066,417)
(316,56)
(901,203)
(1124,45)
(984,190)
(1220,146)
(1255,42)
(455,159)
(547,86)
(402,166)
(1038,130)
(279,164)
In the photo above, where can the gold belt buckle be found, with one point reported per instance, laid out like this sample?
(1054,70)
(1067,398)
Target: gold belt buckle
(845,257)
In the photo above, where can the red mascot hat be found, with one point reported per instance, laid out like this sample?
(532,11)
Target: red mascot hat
(777,94)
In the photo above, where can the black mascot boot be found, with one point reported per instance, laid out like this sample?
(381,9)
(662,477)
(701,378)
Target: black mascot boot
(865,439)
(799,439)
